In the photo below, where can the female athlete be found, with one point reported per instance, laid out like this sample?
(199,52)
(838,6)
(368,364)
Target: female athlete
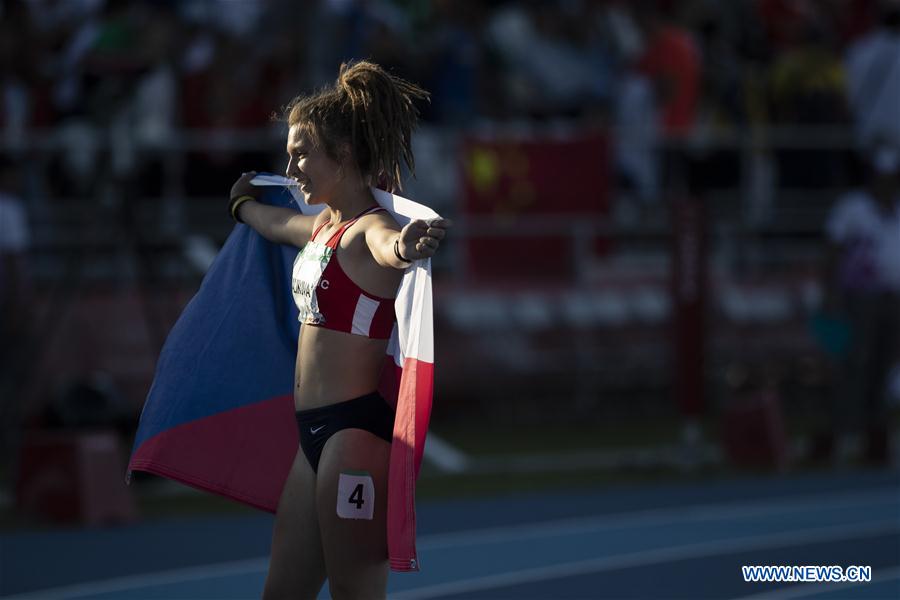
(341,140)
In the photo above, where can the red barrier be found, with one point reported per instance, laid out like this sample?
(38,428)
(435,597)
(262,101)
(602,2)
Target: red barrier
(753,431)
(74,478)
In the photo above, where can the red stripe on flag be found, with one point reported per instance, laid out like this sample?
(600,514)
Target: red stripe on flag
(410,427)
(244,454)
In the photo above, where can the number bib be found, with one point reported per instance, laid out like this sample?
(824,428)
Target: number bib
(356,495)
(305,279)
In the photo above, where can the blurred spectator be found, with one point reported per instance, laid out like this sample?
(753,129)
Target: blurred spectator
(94,74)
(783,20)
(853,19)
(667,59)
(153,111)
(149,119)
(729,40)
(807,89)
(548,71)
(635,116)
(863,283)
(14,243)
(20,47)
(239,19)
(873,73)
(15,300)
(220,64)
(377,30)
(725,35)
(637,138)
(671,60)
(454,60)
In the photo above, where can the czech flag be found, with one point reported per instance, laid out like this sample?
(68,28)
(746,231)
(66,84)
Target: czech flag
(220,412)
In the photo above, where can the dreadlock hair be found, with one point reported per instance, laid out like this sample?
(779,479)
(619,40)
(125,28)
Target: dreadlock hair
(370,110)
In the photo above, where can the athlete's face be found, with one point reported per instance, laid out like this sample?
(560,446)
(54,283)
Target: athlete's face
(319,176)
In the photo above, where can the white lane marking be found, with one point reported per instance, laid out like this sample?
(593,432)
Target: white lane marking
(121,584)
(649,557)
(799,590)
(692,512)
(476,537)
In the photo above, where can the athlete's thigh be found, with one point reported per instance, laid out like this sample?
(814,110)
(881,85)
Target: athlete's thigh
(352,500)
(297,566)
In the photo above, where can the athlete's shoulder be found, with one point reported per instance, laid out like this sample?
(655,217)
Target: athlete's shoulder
(379,218)
(370,226)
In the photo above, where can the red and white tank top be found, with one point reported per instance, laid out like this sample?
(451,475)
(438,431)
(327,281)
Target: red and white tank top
(328,298)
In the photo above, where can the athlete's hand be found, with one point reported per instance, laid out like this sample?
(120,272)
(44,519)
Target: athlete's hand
(243,187)
(421,239)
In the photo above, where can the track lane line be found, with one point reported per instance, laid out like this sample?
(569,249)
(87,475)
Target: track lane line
(649,557)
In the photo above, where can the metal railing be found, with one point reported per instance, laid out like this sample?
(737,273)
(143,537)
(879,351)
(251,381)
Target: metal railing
(61,225)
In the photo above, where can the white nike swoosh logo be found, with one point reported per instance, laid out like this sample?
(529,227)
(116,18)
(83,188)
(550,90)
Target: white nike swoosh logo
(315,430)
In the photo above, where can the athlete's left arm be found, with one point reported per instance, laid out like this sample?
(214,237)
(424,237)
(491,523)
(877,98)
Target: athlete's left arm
(418,239)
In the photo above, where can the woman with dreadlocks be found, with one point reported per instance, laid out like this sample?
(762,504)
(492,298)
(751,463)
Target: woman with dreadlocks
(341,141)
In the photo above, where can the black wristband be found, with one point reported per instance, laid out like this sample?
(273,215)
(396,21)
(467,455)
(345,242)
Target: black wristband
(397,251)
(235,203)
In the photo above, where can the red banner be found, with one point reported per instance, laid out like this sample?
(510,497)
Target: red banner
(512,184)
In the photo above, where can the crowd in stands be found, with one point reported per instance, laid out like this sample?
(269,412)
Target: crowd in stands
(137,70)
(98,89)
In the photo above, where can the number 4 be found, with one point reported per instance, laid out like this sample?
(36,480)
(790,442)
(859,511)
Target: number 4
(357,496)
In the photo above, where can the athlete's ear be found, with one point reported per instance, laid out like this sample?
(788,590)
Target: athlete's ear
(345,156)
(346,162)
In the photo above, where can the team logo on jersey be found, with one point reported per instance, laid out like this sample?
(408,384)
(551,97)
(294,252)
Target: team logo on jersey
(306,278)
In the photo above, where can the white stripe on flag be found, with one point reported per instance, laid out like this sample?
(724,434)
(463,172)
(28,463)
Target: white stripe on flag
(415,300)
(363,315)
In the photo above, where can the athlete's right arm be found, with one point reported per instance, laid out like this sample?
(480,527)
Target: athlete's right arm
(275,223)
